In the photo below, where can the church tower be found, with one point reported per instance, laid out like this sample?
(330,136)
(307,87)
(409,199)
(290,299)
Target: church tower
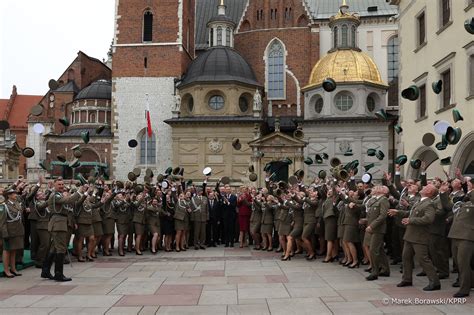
(153,45)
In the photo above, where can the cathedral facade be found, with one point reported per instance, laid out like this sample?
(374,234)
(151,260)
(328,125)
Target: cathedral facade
(233,84)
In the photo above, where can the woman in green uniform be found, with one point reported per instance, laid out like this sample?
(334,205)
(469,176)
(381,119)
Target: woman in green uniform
(13,232)
(256,220)
(152,214)
(121,208)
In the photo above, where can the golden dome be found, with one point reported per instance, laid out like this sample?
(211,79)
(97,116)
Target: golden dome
(345,66)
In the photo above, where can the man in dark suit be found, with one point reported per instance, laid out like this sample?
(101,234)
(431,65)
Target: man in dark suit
(417,236)
(211,230)
(229,215)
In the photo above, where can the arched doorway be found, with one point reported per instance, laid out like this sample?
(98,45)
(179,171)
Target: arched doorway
(429,156)
(464,156)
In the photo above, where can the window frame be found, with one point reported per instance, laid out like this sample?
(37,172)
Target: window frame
(443,19)
(396,56)
(420,43)
(446,100)
(471,74)
(219,36)
(150,149)
(215,95)
(145,13)
(269,62)
(344,94)
(344,36)
(421,111)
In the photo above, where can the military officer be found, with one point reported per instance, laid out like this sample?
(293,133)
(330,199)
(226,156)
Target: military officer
(377,227)
(199,215)
(462,237)
(39,209)
(58,227)
(417,237)
(13,231)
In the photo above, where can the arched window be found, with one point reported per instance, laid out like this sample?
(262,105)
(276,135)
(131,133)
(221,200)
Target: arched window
(92,117)
(147,148)
(148,26)
(392,58)
(353,36)
(227,36)
(344,31)
(211,38)
(219,36)
(276,71)
(335,37)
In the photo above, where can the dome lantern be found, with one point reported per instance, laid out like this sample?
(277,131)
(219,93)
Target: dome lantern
(344,28)
(221,28)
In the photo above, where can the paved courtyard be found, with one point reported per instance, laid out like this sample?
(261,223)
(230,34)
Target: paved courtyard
(219,281)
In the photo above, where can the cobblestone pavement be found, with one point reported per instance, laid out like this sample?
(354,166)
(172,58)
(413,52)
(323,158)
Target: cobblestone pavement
(221,281)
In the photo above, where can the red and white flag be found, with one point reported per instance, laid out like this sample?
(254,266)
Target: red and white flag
(148,119)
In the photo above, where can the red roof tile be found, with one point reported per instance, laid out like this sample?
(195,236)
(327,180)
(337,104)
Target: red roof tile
(21,109)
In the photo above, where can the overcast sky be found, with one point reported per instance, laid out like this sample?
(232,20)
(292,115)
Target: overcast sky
(40,38)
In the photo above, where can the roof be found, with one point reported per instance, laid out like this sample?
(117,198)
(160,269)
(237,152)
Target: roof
(100,89)
(71,86)
(77,132)
(20,109)
(219,64)
(207,9)
(320,10)
(214,119)
(345,65)
(324,9)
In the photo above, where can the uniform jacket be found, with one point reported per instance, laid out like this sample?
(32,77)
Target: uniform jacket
(199,208)
(421,217)
(463,221)
(11,223)
(59,213)
(377,215)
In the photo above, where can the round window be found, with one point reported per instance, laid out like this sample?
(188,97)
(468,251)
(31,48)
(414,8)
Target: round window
(243,104)
(216,102)
(344,102)
(318,107)
(370,104)
(190,104)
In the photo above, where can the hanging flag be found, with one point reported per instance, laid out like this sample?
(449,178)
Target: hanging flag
(148,119)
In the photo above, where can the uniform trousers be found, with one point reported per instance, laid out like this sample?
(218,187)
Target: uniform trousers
(199,233)
(229,229)
(422,255)
(44,243)
(439,253)
(34,243)
(377,254)
(463,254)
(59,242)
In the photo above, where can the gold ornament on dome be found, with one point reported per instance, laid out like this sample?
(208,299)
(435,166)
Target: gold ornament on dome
(346,66)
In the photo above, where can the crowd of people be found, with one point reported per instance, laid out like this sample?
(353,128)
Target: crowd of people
(348,222)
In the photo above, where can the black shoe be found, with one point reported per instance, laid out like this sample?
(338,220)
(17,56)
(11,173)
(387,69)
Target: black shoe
(286,258)
(356,265)
(8,276)
(384,274)
(404,284)
(279,250)
(371,278)
(432,287)
(441,277)
(59,268)
(368,269)
(459,294)
(456,284)
(16,274)
(202,247)
(421,274)
(311,257)
(196,247)
(46,270)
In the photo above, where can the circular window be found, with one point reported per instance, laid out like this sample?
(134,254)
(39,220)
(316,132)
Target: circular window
(243,104)
(216,102)
(344,102)
(370,104)
(190,104)
(318,107)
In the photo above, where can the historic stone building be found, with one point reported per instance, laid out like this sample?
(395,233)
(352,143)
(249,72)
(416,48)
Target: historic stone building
(15,111)
(423,25)
(197,66)
(153,46)
(342,123)
(81,98)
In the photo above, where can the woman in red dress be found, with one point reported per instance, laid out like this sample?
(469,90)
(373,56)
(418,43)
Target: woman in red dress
(244,204)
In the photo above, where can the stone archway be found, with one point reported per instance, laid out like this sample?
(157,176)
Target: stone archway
(429,156)
(464,156)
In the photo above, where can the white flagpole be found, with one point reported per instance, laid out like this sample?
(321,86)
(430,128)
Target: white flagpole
(146,131)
